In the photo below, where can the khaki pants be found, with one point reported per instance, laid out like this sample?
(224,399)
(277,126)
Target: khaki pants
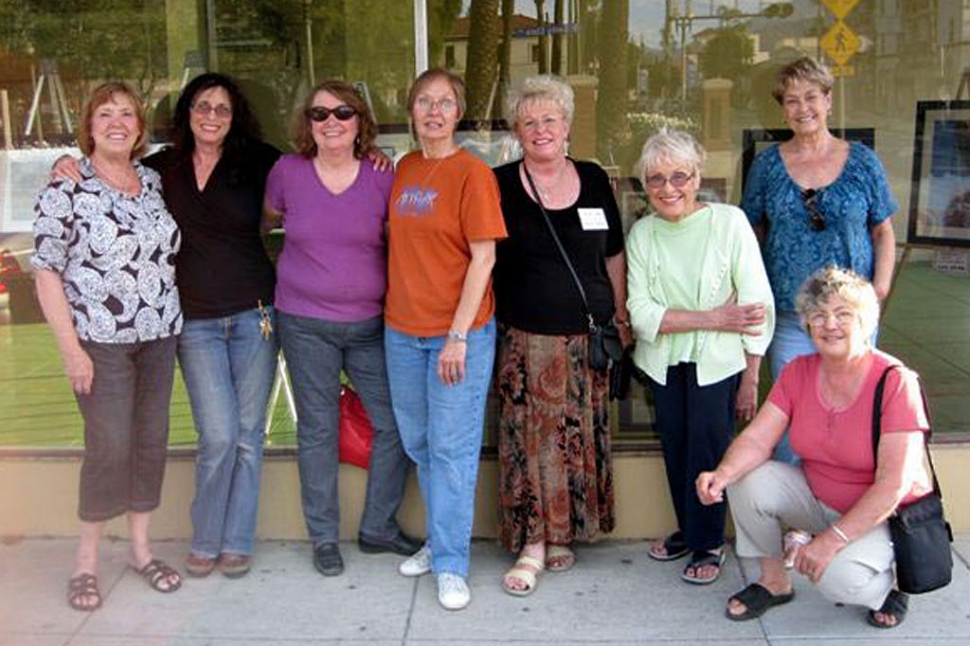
(777,494)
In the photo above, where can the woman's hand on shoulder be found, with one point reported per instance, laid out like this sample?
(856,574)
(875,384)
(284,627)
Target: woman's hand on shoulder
(66,167)
(381,161)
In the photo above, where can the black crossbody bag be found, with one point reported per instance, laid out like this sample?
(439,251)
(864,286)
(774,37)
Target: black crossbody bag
(921,536)
(604,340)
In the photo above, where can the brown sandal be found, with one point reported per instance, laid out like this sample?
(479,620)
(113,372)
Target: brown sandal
(158,574)
(80,589)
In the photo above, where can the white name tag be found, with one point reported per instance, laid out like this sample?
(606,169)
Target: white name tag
(593,219)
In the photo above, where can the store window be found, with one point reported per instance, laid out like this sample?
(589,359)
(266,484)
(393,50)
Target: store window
(636,65)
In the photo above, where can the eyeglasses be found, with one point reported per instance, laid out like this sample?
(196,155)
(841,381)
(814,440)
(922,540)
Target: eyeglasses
(320,114)
(815,218)
(843,318)
(427,104)
(677,180)
(204,108)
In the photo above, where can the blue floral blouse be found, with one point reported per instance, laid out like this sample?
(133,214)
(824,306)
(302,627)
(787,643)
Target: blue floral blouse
(858,200)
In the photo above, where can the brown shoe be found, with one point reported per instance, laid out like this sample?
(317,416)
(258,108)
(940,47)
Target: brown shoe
(234,566)
(199,566)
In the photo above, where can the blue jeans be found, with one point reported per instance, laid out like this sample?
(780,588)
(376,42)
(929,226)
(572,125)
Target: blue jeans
(441,427)
(228,368)
(791,340)
(316,351)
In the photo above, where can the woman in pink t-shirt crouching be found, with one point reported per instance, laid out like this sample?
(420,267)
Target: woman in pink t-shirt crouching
(840,493)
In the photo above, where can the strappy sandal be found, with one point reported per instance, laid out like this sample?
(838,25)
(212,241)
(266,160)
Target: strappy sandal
(674,547)
(521,572)
(80,589)
(703,558)
(559,558)
(158,574)
(896,605)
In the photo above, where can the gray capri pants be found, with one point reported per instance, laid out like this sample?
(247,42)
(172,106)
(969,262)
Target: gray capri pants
(125,427)
(777,493)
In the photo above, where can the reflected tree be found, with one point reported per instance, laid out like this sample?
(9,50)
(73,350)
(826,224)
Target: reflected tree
(481,64)
(612,129)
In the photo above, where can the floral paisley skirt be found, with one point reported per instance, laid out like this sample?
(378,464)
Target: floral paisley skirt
(555,467)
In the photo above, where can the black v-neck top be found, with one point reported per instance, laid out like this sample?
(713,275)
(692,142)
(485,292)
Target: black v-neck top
(222,268)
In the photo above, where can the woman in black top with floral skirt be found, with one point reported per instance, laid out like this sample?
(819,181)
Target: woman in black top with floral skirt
(555,474)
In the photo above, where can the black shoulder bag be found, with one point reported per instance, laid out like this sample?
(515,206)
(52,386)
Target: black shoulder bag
(921,536)
(604,340)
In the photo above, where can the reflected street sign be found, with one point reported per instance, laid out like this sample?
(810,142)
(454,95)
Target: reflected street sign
(840,8)
(840,43)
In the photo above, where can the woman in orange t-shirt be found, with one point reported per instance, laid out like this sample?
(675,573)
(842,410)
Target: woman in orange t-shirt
(440,334)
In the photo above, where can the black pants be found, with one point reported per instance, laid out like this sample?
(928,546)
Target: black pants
(696,424)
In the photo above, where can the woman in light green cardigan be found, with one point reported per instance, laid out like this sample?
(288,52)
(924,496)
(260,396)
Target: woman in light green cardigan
(702,314)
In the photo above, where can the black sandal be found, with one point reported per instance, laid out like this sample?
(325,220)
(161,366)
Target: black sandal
(158,575)
(757,599)
(81,587)
(674,548)
(702,558)
(895,605)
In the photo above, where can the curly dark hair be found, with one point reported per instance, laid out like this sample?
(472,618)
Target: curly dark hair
(245,127)
(302,129)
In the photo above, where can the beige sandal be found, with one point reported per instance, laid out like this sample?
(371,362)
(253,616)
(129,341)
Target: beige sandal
(559,558)
(526,569)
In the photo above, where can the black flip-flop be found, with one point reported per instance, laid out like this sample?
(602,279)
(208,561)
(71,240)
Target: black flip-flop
(674,546)
(896,605)
(757,600)
(699,559)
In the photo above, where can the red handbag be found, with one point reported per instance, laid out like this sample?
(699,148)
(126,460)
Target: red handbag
(356,432)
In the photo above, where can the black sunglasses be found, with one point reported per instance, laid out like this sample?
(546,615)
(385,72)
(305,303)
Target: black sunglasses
(319,113)
(810,200)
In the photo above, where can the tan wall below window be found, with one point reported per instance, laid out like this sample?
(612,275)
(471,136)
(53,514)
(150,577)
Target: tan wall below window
(38,497)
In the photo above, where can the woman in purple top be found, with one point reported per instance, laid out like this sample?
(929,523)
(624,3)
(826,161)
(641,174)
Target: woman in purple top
(331,279)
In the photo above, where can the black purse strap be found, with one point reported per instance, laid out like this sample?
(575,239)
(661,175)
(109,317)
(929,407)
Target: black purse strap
(562,250)
(877,423)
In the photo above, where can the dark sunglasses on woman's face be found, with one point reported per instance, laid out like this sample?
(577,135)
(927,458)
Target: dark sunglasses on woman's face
(320,114)
(815,218)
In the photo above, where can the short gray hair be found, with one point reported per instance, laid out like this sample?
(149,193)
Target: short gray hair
(847,285)
(544,87)
(673,147)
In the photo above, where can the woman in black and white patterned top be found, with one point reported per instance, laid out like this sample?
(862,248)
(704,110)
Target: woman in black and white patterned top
(104,262)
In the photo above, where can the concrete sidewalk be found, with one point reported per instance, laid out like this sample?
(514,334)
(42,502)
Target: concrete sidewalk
(615,595)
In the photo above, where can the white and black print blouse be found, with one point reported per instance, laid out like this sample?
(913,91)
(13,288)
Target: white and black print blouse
(115,255)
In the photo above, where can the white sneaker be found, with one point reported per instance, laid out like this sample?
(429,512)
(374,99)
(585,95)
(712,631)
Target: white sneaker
(417,564)
(453,592)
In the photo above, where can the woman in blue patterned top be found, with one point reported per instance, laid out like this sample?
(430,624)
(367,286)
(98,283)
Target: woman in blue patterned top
(104,266)
(815,201)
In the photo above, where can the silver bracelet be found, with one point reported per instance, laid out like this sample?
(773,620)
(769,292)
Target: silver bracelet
(458,336)
(838,532)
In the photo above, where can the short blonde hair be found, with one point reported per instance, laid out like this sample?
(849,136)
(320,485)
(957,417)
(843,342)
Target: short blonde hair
(544,87)
(804,69)
(674,147)
(845,284)
(102,94)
